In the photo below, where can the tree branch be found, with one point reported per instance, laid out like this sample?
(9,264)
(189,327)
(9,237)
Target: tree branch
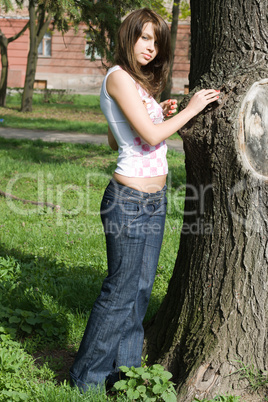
(44,28)
(19,33)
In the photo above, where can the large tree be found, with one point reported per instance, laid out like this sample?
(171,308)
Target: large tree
(214,318)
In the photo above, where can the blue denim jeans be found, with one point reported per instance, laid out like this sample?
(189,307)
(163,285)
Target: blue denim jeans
(134,223)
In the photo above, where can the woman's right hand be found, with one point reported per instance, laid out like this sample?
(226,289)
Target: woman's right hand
(201,99)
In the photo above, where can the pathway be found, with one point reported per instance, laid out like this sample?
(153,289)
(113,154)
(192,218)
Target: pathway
(19,133)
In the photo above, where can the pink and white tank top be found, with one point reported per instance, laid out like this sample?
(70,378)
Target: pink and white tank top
(136,158)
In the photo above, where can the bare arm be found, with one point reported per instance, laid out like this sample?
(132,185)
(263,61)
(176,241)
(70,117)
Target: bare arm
(122,89)
(111,140)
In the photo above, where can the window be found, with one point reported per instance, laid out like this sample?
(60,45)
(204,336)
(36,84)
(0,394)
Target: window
(96,55)
(44,48)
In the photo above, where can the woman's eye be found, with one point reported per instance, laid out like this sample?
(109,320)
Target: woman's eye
(144,37)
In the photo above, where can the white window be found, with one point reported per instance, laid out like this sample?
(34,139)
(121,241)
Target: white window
(97,56)
(44,48)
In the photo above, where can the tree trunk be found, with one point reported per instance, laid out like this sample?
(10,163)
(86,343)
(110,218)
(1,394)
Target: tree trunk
(174,29)
(38,26)
(215,314)
(4,72)
(4,42)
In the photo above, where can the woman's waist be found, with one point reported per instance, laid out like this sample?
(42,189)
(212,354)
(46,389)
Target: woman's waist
(148,185)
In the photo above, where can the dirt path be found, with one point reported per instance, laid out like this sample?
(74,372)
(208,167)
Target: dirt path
(69,137)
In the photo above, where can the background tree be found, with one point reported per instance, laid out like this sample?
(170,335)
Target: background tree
(41,13)
(179,8)
(103,19)
(216,308)
(4,42)
(166,94)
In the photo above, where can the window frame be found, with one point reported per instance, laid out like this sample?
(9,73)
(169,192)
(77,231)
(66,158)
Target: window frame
(46,38)
(97,56)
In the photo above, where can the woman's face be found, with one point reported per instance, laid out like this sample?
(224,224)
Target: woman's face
(146,47)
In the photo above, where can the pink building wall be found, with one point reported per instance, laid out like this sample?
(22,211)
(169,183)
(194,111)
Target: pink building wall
(68,67)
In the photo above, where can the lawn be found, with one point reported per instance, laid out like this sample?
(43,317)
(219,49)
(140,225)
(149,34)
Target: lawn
(52,260)
(69,112)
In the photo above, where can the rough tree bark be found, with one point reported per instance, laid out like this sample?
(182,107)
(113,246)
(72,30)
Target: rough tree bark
(215,313)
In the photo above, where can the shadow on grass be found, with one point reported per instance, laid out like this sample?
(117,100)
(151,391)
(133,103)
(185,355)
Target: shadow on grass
(43,284)
(40,293)
(38,151)
(40,281)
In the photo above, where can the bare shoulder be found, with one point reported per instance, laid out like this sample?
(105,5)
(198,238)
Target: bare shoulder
(118,80)
(118,75)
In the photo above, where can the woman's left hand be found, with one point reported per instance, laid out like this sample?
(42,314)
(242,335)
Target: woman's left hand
(169,107)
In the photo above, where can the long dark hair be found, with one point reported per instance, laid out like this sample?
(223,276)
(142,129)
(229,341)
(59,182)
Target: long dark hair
(153,76)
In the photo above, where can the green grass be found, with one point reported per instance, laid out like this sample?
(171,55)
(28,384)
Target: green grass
(64,100)
(71,113)
(257,379)
(54,124)
(52,262)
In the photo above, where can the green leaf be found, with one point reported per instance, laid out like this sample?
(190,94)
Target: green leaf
(158,389)
(139,370)
(120,385)
(132,383)
(14,319)
(146,376)
(27,314)
(27,328)
(169,397)
(131,374)
(141,389)
(158,367)
(166,374)
(132,394)
(157,379)
(125,369)
(31,320)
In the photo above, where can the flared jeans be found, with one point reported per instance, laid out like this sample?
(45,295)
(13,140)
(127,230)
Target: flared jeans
(133,223)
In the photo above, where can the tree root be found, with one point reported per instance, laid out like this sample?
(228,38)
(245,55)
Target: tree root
(44,204)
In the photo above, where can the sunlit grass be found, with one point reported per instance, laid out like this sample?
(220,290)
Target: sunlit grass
(46,124)
(70,113)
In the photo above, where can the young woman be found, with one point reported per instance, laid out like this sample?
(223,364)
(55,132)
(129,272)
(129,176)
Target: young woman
(133,208)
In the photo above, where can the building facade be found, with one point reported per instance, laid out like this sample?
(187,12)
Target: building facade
(64,64)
